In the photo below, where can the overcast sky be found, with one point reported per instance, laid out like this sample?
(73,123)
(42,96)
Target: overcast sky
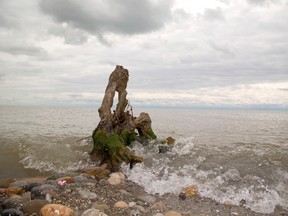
(178,52)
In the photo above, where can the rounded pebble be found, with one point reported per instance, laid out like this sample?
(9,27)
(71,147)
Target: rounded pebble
(93,212)
(12,212)
(172,213)
(115,178)
(34,206)
(121,204)
(55,210)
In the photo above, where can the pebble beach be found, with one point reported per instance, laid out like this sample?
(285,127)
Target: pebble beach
(95,192)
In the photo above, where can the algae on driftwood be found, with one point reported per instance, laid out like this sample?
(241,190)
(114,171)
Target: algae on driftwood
(116,130)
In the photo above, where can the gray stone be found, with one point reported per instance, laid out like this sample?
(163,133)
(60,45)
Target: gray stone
(12,212)
(140,208)
(34,206)
(13,203)
(100,206)
(134,212)
(93,212)
(84,194)
(147,198)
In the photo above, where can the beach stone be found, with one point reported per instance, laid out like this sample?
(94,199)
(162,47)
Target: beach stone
(32,185)
(131,204)
(134,212)
(84,194)
(182,196)
(84,179)
(147,198)
(116,178)
(170,140)
(164,148)
(97,172)
(172,213)
(191,191)
(21,184)
(13,203)
(26,195)
(4,183)
(64,180)
(232,175)
(34,206)
(228,203)
(93,212)
(121,204)
(14,190)
(158,214)
(2,190)
(43,190)
(56,209)
(12,212)
(140,208)
(100,206)
(159,206)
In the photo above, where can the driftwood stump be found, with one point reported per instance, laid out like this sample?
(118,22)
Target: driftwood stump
(117,129)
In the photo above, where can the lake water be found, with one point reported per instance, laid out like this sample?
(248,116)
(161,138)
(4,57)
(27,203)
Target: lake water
(231,155)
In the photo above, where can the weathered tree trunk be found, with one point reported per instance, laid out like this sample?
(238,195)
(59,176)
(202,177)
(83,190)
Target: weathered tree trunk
(116,130)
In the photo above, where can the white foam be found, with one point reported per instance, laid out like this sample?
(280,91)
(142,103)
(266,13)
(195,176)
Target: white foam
(165,174)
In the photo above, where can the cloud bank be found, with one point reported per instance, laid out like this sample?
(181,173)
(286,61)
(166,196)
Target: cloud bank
(179,53)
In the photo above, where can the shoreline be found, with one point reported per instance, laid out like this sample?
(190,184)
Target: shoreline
(81,192)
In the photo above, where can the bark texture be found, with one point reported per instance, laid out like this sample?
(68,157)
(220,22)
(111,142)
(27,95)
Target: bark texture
(118,128)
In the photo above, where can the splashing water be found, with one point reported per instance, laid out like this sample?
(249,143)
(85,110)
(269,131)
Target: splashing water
(216,176)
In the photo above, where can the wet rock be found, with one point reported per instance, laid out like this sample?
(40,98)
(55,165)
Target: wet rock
(56,209)
(134,212)
(100,206)
(131,204)
(182,196)
(164,148)
(14,190)
(64,180)
(147,198)
(93,212)
(4,183)
(32,185)
(84,179)
(232,175)
(158,214)
(172,213)
(191,191)
(12,212)
(13,203)
(140,208)
(242,202)
(26,195)
(121,204)
(97,172)
(116,178)
(34,206)
(228,203)
(21,184)
(84,194)
(170,140)
(159,206)
(43,190)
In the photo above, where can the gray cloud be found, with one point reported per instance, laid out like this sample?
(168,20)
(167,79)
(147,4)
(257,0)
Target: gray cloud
(21,49)
(264,2)
(71,35)
(213,14)
(98,17)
